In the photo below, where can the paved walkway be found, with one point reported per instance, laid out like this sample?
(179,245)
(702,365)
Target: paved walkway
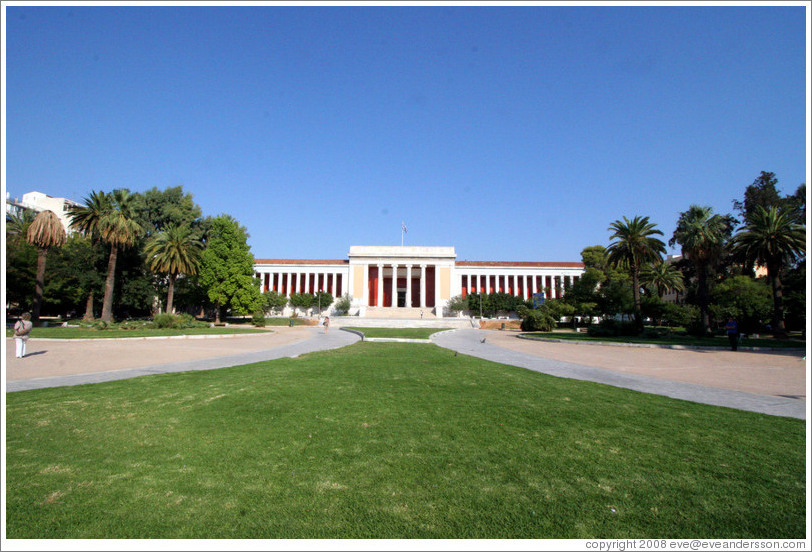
(771,383)
(61,362)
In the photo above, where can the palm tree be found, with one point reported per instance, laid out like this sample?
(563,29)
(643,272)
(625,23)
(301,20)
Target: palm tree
(770,238)
(702,236)
(17,224)
(108,217)
(44,233)
(662,277)
(634,246)
(173,252)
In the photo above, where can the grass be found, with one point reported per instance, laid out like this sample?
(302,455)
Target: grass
(406,333)
(672,340)
(91,333)
(393,441)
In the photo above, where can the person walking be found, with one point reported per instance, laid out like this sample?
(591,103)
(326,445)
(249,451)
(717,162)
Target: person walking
(21,330)
(732,333)
(326,323)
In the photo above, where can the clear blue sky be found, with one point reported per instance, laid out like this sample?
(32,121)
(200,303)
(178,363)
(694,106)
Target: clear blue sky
(511,133)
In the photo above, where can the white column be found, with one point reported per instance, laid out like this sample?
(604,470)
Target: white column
(514,285)
(408,286)
(290,283)
(525,289)
(394,285)
(534,286)
(306,283)
(422,286)
(379,303)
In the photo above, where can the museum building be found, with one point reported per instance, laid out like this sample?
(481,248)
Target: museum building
(411,281)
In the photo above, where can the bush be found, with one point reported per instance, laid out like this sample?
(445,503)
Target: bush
(612,328)
(342,305)
(258,320)
(538,321)
(175,321)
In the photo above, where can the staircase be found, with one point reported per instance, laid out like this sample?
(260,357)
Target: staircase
(400,312)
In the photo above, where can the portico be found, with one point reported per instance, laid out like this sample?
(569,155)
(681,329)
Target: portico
(400,277)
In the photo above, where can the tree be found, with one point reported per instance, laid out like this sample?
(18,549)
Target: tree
(44,233)
(108,217)
(174,252)
(159,210)
(634,246)
(662,278)
(274,301)
(20,260)
(773,240)
(302,301)
(75,275)
(457,304)
(703,237)
(227,268)
(745,299)
(342,306)
(763,192)
(323,299)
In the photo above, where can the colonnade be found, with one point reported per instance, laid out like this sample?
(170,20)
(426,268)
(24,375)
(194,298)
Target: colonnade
(523,285)
(384,282)
(302,281)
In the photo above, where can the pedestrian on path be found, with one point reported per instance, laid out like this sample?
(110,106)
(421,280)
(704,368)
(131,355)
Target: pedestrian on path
(21,330)
(732,333)
(327,324)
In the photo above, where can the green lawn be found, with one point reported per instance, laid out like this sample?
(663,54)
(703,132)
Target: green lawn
(673,340)
(91,333)
(393,441)
(406,333)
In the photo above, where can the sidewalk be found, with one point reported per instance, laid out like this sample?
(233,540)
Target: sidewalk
(770,383)
(61,362)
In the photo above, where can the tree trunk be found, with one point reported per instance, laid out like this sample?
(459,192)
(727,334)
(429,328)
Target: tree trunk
(702,292)
(107,303)
(779,329)
(42,255)
(217,312)
(89,307)
(170,295)
(638,310)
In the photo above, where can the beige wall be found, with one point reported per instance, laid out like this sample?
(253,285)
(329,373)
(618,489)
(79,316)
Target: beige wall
(445,283)
(357,281)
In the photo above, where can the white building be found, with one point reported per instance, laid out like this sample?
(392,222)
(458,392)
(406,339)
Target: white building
(38,202)
(402,282)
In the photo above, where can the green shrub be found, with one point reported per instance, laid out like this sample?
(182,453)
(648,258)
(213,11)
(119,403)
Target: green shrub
(176,321)
(342,305)
(538,321)
(612,328)
(163,320)
(258,320)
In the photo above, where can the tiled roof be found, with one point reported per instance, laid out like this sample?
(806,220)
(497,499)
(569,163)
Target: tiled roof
(513,264)
(521,264)
(302,261)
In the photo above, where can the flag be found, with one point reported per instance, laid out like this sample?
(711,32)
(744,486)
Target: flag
(403,227)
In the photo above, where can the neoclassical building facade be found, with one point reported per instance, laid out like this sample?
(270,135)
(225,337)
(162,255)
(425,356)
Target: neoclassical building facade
(411,281)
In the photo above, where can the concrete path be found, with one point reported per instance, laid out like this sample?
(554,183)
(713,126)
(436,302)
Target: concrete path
(770,383)
(63,362)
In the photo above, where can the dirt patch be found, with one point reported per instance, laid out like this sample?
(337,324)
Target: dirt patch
(497,324)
